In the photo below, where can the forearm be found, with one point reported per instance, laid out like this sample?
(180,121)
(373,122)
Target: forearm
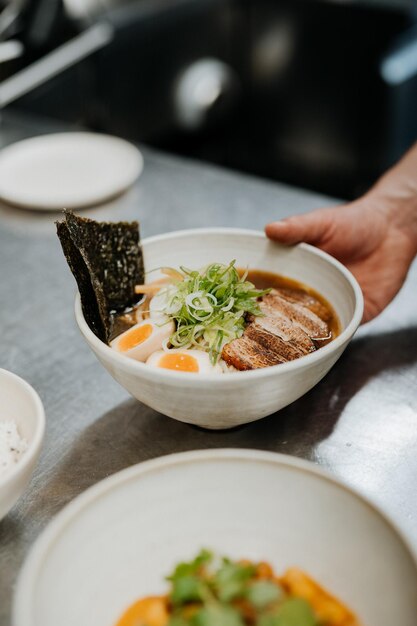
(396,194)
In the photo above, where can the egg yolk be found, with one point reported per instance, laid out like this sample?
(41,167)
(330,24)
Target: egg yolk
(135,337)
(179,361)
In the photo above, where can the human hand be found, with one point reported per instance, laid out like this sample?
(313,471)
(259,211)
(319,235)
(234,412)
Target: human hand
(370,237)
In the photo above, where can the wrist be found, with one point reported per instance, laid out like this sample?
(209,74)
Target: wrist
(395,195)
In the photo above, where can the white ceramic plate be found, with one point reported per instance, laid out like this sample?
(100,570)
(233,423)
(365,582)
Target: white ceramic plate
(67,170)
(118,540)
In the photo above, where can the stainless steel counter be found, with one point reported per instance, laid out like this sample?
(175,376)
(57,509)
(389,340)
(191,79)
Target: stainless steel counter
(360,422)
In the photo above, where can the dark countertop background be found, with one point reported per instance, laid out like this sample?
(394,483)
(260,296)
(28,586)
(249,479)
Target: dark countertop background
(360,422)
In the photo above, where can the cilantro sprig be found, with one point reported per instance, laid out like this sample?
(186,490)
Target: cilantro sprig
(209,306)
(205,592)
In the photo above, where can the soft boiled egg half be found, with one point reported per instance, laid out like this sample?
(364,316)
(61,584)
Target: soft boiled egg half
(194,361)
(143,339)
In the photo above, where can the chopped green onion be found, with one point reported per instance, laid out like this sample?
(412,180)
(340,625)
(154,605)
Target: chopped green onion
(209,306)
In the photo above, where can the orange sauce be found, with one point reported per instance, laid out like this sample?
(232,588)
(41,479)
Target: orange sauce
(150,611)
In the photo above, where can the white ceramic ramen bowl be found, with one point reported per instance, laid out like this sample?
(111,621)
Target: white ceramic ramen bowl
(116,542)
(20,402)
(227,400)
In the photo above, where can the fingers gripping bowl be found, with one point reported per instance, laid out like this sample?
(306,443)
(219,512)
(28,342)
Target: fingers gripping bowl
(223,401)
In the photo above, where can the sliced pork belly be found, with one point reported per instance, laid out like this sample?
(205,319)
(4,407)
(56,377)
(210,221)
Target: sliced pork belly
(298,315)
(246,354)
(279,325)
(286,331)
(306,300)
(285,350)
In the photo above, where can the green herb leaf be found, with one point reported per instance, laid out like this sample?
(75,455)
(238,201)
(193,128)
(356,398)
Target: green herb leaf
(262,593)
(177,620)
(231,579)
(192,567)
(292,612)
(187,589)
(217,615)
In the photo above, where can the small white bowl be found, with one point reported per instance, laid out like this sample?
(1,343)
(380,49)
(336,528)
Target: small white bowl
(227,400)
(116,542)
(20,402)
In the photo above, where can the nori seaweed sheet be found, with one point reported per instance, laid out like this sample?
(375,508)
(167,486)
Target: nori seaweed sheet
(81,274)
(107,262)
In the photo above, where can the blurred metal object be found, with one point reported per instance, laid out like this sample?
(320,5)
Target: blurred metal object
(55,62)
(311,106)
(9,17)
(10,50)
(273,51)
(400,65)
(200,87)
(82,9)
(89,11)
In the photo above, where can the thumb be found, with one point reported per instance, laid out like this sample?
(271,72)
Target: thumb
(311,228)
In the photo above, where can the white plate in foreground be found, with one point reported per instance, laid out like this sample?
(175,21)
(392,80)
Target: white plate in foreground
(67,170)
(118,540)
